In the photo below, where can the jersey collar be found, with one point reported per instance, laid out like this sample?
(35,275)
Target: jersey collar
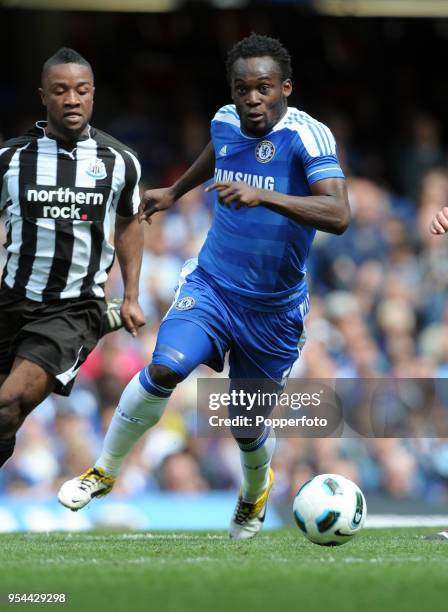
(283,121)
(40,127)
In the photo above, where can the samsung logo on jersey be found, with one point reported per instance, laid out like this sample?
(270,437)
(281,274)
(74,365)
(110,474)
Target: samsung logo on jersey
(254,180)
(65,196)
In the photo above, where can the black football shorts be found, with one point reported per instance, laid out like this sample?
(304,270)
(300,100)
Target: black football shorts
(56,335)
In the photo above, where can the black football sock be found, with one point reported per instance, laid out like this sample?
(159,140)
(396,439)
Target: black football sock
(6,449)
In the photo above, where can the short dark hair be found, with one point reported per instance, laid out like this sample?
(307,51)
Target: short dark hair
(64,55)
(257,45)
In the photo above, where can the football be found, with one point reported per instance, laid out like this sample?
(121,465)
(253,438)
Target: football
(330,509)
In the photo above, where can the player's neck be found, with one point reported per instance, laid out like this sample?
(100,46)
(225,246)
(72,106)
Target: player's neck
(63,137)
(269,129)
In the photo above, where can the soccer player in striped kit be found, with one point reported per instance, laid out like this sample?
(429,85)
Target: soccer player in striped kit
(277,180)
(61,186)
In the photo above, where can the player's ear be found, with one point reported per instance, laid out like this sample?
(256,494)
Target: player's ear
(287,87)
(42,96)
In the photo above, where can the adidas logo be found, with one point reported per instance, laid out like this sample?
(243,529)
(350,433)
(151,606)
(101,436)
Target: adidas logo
(223,151)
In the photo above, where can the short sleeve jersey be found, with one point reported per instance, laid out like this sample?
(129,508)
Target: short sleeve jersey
(59,206)
(255,253)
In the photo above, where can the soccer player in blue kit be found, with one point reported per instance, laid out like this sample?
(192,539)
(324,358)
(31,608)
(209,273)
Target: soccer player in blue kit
(277,180)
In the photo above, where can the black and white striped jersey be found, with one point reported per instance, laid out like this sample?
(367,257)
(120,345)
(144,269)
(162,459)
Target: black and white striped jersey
(59,206)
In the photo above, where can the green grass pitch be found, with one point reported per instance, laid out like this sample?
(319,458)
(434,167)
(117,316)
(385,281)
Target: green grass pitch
(380,570)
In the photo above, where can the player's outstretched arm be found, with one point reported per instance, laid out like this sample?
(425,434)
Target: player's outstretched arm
(439,224)
(156,200)
(327,209)
(129,249)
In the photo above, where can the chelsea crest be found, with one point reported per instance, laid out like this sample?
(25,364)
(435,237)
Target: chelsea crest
(185,303)
(264,151)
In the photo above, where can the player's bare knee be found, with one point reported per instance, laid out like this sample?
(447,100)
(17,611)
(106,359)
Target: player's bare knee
(17,402)
(10,416)
(163,376)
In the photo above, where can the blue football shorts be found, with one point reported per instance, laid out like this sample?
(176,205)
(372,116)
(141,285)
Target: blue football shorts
(204,323)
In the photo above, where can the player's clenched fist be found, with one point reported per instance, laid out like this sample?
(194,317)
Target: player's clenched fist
(439,224)
(132,316)
(154,200)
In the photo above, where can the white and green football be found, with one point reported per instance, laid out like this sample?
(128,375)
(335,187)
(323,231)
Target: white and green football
(330,509)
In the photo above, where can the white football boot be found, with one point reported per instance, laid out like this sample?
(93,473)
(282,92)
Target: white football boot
(248,518)
(78,492)
(441,535)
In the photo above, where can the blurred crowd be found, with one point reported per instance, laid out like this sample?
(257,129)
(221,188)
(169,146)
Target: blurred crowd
(379,293)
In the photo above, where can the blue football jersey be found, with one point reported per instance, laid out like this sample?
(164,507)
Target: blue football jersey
(255,253)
